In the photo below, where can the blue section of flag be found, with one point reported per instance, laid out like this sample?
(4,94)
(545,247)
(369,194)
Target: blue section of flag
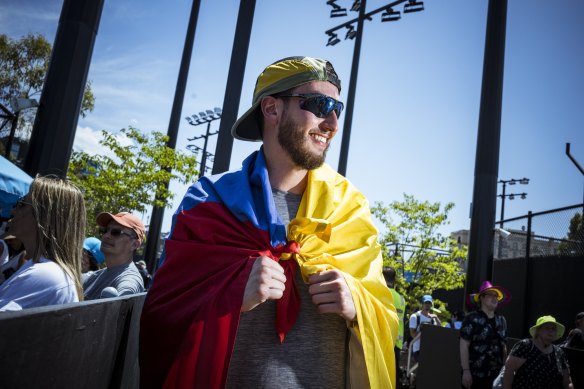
(247,193)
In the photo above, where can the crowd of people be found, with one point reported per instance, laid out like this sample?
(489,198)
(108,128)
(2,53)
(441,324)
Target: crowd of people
(45,258)
(535,363)
(261,262)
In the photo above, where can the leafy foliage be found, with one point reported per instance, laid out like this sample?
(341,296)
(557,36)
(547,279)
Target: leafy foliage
(23,67)
(574,242)
(132,180)
(424,259)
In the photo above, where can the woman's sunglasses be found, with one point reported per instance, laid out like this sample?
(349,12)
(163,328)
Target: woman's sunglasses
(320,105)
(115,232)
(21,203)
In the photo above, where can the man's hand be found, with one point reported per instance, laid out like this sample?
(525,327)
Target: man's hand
(266,282)
(331,294)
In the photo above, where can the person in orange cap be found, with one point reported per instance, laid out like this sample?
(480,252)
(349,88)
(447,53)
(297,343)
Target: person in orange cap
(482,337)
(121,235)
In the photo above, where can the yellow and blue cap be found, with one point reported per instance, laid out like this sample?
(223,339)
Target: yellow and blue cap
(278,77)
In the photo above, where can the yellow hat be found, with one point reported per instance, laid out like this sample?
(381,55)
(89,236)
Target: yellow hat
(548,319)
(281,76)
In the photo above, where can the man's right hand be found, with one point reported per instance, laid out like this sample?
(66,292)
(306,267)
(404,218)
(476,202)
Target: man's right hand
(265,282)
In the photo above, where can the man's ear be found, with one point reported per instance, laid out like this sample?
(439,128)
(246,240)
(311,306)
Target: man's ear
(136,245)
(269,108)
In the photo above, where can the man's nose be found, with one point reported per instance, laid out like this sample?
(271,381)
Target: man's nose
(330,123)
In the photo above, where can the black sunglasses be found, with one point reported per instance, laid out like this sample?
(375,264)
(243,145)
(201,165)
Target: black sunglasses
(21,203)
(320,105)
(115,232)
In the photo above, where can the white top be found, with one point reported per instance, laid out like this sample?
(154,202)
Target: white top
(37,285)
(413,325)
(4,252)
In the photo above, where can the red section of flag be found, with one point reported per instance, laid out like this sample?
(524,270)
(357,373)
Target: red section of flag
(191,314)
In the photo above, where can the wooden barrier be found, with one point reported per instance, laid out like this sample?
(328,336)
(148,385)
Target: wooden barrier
(92,344)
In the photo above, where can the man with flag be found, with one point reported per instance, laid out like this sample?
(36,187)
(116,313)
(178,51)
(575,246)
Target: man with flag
(272,275)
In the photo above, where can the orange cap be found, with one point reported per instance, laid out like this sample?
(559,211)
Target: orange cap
(126,219)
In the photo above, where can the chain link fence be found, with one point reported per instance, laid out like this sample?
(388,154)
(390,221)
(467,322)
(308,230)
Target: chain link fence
(558,233)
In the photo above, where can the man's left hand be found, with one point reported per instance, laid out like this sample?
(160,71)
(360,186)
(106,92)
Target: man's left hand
(331,294)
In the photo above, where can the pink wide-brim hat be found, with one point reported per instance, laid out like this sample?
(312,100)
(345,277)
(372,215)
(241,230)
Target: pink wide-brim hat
(503,295)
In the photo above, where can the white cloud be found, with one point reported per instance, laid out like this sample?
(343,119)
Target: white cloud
(87,139)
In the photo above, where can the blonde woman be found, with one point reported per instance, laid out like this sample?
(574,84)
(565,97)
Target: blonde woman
(50,221)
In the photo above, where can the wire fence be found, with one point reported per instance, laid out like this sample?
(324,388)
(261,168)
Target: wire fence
(557,232)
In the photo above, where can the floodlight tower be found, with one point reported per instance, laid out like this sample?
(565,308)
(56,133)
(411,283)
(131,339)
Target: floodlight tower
(388,15)
(203,117)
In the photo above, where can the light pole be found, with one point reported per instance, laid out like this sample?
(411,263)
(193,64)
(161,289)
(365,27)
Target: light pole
(194,120)
(17,104)
(511,196)
(388,15)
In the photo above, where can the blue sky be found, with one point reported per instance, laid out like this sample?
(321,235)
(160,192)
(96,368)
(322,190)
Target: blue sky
(417,100)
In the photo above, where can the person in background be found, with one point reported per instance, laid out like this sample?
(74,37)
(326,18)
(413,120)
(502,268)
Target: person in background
(575,338)
(455,321)
(92,255)
(272,275)
(4,254)
(419,318)
(50,222)
(16,257)
(400,307)
(537,363)
(483,337)
(143,269)
(121,235)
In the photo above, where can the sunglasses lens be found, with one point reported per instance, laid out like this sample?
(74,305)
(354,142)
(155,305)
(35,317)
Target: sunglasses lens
(322,106)
(115,232)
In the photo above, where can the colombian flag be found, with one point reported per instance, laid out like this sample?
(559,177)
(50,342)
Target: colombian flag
(191,313)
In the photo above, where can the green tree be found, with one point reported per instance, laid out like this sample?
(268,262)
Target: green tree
(133,178)
(413,245)
(574,241)
(23,67)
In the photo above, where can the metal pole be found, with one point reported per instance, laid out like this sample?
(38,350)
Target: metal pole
(351,93)
(181,83)
(528,271)
(234,84)
(204,159)
(575,163)
(503,204)
(12,132)
(56,120)
(480,253)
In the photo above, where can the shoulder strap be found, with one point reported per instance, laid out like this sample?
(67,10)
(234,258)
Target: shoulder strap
(418,314)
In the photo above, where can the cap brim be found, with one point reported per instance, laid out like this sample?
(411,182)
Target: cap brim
(104,218)
(247,127)
(559,332)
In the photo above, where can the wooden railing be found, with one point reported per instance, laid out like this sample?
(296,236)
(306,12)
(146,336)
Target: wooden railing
(91,344)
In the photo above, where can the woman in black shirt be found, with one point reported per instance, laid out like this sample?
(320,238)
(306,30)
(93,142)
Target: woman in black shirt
(537,363)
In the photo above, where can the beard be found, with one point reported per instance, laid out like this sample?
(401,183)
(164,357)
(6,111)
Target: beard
(292,139)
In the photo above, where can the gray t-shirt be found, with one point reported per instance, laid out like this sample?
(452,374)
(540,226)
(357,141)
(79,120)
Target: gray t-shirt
(313,354)
(126,279)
